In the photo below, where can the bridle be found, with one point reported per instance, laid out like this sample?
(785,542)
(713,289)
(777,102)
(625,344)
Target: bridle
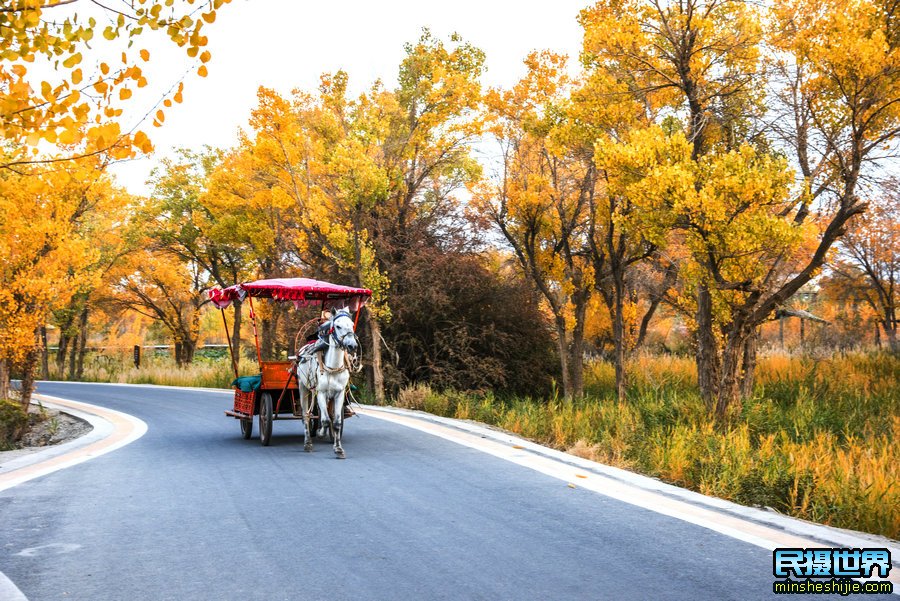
(351,362)
(341,340)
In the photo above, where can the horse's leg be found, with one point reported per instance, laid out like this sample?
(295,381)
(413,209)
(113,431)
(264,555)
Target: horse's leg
(338,427)
(322,400)
(304,407)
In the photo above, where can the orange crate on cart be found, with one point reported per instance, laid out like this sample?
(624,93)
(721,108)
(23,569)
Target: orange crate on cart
(243,401)
(275,374)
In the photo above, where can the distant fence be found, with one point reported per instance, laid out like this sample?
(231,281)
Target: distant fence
(101,349)
(137,351)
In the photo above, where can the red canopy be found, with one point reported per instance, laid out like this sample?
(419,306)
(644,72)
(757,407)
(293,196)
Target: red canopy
(303,291)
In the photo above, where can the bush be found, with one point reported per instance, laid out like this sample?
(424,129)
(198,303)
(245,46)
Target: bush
(13,422)
(458,322)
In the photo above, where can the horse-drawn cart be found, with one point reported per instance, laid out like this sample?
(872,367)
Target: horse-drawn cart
(276,393)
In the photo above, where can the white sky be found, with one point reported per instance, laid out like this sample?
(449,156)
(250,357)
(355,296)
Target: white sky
(285,44)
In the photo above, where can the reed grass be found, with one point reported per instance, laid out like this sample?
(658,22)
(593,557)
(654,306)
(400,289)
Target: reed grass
(202,373)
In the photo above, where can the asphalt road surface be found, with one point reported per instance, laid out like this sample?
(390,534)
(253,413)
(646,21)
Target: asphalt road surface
(191,511)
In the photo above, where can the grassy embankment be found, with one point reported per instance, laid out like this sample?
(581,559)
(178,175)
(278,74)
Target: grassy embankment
(820,440)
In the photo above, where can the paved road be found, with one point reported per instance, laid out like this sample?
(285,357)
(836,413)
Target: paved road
(192,512)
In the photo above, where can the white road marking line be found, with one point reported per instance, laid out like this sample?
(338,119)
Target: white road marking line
(228,391)
(48,549)
(9,591)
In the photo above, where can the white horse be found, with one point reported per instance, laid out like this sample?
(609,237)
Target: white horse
(328,376)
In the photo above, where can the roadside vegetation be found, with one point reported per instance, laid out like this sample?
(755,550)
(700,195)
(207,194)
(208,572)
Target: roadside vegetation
(13,423)
(162,371)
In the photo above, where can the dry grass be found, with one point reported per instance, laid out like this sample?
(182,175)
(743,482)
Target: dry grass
(162,371)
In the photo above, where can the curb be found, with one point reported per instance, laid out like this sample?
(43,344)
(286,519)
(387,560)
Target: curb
(111,430)
(100,429)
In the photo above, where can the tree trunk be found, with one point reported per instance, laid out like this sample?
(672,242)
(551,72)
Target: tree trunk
(177,349)
(656,298)
(188,348)
(73,353)
(61,351)
(192,337)
(707,349)
(729,388)
(890,328)
(28,366)
(4,379)
(82,344)
(377,370)
(45,359)
(267,336)
(645,321)
(748,375)
(576,357)
(562,343)
(893,342)
(618,319)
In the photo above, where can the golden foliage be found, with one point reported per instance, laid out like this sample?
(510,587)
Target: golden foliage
(77,108)
(54,226)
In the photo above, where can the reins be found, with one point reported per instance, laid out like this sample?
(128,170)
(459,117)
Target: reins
(351,363)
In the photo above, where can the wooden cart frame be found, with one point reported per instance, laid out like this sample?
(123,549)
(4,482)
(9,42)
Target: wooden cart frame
(277,397)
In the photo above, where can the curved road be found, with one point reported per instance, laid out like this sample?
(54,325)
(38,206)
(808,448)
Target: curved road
(190,511)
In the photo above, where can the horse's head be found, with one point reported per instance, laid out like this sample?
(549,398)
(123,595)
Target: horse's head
(342,331)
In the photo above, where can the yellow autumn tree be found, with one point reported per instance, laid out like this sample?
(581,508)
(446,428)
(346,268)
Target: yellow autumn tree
(396,159)
(65,75)
(868,264)
(160,286)
(540,201)
(51,226)
(175,221)
(251,198)
(753,239)
(62,89)
(99,221)
(341,187)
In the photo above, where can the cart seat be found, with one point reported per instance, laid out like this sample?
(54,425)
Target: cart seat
(247,383)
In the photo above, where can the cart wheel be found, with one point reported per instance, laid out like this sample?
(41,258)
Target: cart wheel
(246,428)
(265,419)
